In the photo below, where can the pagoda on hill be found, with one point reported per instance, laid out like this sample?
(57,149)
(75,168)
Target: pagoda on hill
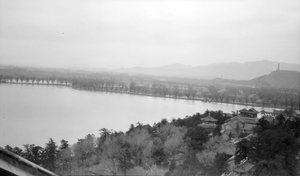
(208,122)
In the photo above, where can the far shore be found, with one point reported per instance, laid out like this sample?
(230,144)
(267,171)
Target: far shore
(150,95)
(209,101)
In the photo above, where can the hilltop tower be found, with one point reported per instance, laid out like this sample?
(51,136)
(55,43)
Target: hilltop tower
(278,67)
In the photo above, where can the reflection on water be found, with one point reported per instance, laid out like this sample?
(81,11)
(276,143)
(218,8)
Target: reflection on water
(31,114)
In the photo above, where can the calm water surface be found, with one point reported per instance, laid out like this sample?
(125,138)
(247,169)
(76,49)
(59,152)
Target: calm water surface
(31,114)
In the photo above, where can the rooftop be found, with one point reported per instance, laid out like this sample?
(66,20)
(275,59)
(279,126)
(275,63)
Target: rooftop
(250,111)
(209,119)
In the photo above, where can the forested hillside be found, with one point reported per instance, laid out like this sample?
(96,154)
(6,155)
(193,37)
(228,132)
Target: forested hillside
(176,148)
(279,79)
(140,150)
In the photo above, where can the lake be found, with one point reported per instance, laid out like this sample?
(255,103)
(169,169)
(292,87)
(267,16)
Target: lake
(31,114)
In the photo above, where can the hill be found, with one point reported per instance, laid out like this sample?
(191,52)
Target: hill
(279,79)
(234,70)
(275,79)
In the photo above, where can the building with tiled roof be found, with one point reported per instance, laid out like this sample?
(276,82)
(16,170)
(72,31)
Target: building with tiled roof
(208,122)
(228,148)
(209,119)
(237,125)
(248,113)
(274,113)
(243,123)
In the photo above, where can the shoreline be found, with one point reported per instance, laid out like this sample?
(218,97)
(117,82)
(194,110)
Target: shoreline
(242,104)
(155,96)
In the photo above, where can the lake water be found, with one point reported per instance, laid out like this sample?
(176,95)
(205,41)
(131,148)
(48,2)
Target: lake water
(31,114)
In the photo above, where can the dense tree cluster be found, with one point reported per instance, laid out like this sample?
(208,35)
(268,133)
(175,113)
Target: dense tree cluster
(42,156)
(274,148)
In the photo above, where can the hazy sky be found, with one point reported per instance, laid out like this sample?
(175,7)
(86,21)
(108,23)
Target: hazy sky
(127,33)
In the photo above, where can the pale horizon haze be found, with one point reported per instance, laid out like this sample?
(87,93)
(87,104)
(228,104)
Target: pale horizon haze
(148,33)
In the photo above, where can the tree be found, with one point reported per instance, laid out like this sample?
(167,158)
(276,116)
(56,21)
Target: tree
(104,134)
(125,157)
(64,157)
(84,149)
(22,78)
(15,150)
(18,151)
(157,152)
(34,153)
(190,166)
(172,166)
(63,144)
(221,94)
(196,137)
(281,102)
(253,99)
(206,159)
(274,101)
(173,139)
(220,165)
(132,87)
(233,93)
(205,95)
(50,154)
(293,100)
(176,91)
(227,98)
(9,148)
(110,154)
(286,100)
(217,130)
(140,142)
(192,92)
(246,98)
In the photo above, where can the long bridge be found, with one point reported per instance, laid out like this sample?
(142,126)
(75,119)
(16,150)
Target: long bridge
(36,81)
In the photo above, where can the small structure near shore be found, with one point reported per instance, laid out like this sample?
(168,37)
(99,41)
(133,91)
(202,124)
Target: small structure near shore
(12,165)
(274,113)
(248,113)
(208,122)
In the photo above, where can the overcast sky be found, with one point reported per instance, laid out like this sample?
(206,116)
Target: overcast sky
(128,33)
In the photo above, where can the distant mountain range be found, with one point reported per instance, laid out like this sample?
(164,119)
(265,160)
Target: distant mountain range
(234,70)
